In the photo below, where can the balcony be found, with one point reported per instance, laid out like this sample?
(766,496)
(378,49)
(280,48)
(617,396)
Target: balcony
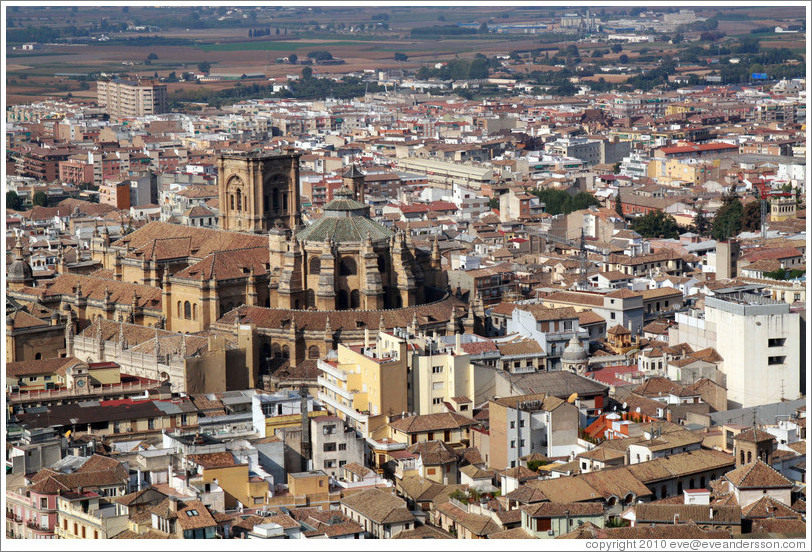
(334,388)
(346,410)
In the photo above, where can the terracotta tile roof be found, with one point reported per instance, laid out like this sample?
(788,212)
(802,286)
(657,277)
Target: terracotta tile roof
(623,294)
(589,317)
(424,532)
(542,313)
(213,460)
(433,453)
(596,300)
(660,292)
(195,515)
(40,366)
(685,463)
(503,308)
(753,435)
(794,527)
(94,289)
(439,311)
(228,265)
(768,507)
(680,531)
(515,533)
(477,524)
(431,422)
(661,387)
(379,506)
(357,469)
(525,348)
(22,319)
(201,241)
(562,509)
(757,475)
(330,523)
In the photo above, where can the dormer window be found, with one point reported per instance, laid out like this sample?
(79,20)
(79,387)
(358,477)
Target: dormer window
(192,513)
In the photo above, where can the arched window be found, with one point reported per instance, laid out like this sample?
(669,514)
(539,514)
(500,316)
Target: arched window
(275,200)
(187,310)
(749,456)
(285,352)
(313,352)
(239,199)
(679,488)
(348,267)
(38,356)
(277,350)
(702,482)
(232,201)
(663,491)
(355,299)
(310,298)
(315,265)
(381,263)
(179,309)
(194,311)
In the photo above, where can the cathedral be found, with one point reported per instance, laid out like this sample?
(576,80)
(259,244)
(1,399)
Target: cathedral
(283,290)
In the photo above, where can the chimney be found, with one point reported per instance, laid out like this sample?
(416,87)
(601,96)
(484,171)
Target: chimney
(366,339)
(711,513)
(458,343)
(173,504)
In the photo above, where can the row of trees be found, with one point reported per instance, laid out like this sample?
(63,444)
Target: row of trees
(729,220)
(14,202)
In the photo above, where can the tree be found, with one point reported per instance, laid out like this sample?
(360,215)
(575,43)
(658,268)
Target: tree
(307,73)
(399,56)
(700,224)
(292,59)
(617,48)
(40,198)
(618,205)
(13,201)
(152,55)
(727,220)
(656,224)
(484,27)
(616,167)
(204,66)
(623,58)
(751,217)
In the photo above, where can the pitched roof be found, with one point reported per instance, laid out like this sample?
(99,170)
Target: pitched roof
(757,475)
(379,506)
(431,422)
(475,523)
(40,366)
(768,507)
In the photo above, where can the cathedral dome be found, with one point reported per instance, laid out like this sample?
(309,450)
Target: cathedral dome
(345,221)
(574,352)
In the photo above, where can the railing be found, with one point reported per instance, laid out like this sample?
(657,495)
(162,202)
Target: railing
(104,389)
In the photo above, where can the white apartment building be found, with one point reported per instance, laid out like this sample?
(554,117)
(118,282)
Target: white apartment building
(758,338)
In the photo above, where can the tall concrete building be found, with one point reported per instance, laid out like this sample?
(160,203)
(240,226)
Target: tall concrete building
(125,98)
(758,338)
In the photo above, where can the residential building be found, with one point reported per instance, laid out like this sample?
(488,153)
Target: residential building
(527,424)
(335,445)
(123,98)
(382,514)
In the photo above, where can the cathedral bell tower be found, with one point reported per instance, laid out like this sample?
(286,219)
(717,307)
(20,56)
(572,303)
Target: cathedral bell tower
(258,191)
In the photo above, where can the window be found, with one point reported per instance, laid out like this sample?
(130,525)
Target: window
(342,446)
(437,400)
(329,447)
(431,471)
(436,369)
(329,463)
(43,503)
(513,444)
(776,342)
(192,513)
(521,442)
(151,423)
(567,325)
(329,429)
(612,315)
(512,424)
(773,360)
(430,436)
(341,463)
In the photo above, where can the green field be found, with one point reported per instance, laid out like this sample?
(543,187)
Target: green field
(274,46)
